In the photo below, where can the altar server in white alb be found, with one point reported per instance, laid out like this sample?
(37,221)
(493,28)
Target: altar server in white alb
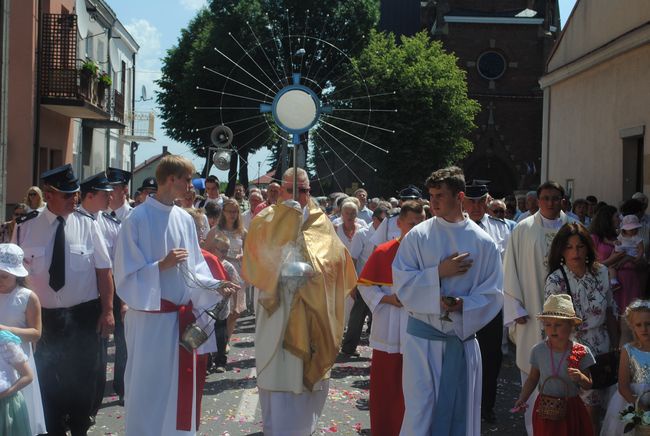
(447,274)
(162,276)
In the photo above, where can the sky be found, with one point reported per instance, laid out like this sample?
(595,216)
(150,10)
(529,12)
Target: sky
(156,26)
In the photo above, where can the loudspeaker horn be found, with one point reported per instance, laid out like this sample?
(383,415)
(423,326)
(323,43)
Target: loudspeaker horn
(221,136)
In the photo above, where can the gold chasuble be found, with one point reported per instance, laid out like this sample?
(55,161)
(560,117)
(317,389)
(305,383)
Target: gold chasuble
(314,317)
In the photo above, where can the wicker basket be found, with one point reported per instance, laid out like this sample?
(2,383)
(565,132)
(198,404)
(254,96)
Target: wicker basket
(641,429)
(550,407)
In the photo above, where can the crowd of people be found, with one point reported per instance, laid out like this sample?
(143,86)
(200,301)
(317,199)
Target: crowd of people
(442,284)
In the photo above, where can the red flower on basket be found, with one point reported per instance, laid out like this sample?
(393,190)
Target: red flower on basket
(577,353)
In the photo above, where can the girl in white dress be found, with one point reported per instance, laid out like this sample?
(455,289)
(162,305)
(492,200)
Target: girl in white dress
(634,368)
(20,314)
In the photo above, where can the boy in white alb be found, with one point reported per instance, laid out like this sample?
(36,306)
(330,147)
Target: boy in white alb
(162,276)
(447,274)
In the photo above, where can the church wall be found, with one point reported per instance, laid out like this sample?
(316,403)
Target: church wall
(595,23)
(586,115)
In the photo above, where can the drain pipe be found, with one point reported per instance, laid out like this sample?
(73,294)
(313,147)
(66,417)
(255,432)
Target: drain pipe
(37,97)
(4,113)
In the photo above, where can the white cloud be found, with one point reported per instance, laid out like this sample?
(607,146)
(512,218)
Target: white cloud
(193,5)
(148,58)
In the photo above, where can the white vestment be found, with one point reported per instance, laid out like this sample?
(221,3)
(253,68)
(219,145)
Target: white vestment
(419,287)
(525,272)
(151,378)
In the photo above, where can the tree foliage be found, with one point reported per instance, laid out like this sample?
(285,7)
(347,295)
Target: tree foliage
(434,112)
(253,35)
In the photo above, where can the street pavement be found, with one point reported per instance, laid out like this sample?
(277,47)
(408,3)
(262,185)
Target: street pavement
(231,405)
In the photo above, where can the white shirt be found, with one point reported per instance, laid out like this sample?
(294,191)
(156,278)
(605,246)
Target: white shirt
(498,229)
(387,231)
(361,247)
(344,238)
(109,227)
(123,211)
(523,216)
(388,329)
(366,215)
(85,251)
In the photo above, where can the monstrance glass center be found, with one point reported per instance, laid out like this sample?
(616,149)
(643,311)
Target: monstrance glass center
(296,110)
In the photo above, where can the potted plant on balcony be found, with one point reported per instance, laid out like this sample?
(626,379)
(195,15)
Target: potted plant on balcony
(87,75)
(104,82)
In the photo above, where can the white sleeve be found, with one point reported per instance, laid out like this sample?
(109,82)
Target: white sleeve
(356,247)
(417,287)
(100,251)
(372,295)
(136,280)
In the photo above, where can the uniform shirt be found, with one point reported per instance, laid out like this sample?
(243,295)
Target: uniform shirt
(498,230)
(85,251)
(123,211)
(109,227)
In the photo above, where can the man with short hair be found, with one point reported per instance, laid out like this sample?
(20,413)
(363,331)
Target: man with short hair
(364,213)
(70,272)
(254,199)
(490,337)
(388,331)
(531,206)
(272,194)
(119,206)
(299,322)
(212,194)
(162,276)
(240,196)
(525,271)
(95,197)
(448,275)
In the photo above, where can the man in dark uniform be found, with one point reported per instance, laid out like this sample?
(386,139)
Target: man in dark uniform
(119,180)
(119,206)
(489,337)
(70,271)
(95,197)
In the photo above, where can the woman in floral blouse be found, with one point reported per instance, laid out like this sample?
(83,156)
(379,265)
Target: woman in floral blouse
(574,270)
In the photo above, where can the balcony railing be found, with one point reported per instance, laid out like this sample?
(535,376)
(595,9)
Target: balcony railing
(139,127)
(65,86)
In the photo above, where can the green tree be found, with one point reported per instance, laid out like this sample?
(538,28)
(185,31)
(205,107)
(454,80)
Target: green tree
(253,35)
(434,115)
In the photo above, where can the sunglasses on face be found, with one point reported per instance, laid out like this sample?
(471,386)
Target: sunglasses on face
(498,211)
(300,190)
(19,215)
(68,195)
(32,194)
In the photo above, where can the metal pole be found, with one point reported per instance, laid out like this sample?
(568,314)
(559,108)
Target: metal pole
(295,168)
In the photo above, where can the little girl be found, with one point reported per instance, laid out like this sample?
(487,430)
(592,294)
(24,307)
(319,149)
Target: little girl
(633,373)
(559,356)
(20,314)
(15,374)
(629,242)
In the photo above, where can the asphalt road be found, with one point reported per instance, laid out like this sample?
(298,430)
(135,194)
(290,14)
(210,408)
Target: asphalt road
(231,406)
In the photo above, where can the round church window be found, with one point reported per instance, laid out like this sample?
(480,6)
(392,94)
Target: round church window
(491,65)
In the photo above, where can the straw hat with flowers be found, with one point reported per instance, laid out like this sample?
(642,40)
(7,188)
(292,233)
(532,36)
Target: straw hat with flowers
(559,306)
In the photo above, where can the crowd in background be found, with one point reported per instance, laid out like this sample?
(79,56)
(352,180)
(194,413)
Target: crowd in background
(607,273)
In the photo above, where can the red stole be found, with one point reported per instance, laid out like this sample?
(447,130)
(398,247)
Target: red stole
(379,268)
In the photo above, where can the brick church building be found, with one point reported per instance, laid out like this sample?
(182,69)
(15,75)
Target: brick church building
(503,45)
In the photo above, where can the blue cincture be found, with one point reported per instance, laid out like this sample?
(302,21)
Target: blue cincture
(449,418)
(6,337)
